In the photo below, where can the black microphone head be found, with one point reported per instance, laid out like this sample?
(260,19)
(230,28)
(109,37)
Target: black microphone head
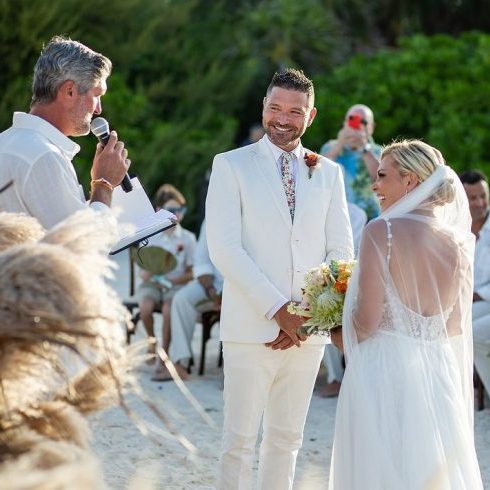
(99,127)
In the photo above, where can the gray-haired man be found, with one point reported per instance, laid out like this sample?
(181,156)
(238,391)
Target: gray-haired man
(36,153)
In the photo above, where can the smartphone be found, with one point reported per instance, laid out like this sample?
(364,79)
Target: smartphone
(354,121)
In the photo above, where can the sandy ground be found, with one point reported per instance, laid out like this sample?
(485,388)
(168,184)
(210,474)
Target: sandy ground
(125,452)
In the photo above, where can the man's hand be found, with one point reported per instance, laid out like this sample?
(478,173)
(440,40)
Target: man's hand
(336,336)
(290,324)
(283,341)
(354,138)
(110,161)
(145,275)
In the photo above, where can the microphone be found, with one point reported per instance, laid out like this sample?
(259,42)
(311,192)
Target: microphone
(100,128)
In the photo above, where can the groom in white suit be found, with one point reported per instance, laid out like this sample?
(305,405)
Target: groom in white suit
(268,222)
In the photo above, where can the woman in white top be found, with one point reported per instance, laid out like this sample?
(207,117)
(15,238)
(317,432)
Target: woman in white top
(405,410)
(156,291)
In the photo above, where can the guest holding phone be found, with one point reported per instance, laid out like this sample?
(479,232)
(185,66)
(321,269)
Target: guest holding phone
(358,154)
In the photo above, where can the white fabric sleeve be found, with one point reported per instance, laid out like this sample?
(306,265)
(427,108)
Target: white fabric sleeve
(190,249)
(99,206)
(51,191)
(202,263)
(270,314)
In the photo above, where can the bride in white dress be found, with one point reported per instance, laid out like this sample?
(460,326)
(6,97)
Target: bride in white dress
(405,410)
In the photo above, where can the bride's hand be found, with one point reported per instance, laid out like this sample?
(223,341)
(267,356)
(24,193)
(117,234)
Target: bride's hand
(336,337)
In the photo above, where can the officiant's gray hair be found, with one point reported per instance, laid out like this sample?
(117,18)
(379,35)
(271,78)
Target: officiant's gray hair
(422,159)
(292,79)
(63,59)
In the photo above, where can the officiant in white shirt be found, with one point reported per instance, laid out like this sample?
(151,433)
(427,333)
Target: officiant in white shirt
(36,153)
(270,217)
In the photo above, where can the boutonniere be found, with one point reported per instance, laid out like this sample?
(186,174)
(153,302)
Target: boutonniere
(312,162)
(180,248)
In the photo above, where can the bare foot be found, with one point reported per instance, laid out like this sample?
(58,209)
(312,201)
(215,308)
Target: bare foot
(162,373)
(331,390)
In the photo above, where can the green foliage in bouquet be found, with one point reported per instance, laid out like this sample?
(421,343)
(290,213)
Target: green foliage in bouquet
(323,297)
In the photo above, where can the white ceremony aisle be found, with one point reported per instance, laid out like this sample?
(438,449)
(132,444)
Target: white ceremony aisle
(126,453)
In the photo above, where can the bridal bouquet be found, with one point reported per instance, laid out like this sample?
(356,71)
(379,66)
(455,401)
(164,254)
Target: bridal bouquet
(323,297)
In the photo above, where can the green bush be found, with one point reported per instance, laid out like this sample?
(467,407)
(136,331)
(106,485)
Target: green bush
(434,88)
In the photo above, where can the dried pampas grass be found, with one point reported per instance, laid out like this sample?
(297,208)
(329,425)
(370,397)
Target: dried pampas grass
(62,352)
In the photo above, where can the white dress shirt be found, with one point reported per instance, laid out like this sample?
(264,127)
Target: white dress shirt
(202,262)
(482,262)
(37,157)
(297,153)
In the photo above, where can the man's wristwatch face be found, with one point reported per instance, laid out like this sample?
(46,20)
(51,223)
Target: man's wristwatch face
(366,148)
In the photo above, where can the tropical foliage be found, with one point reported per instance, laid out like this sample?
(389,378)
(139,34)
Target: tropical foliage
(189,75)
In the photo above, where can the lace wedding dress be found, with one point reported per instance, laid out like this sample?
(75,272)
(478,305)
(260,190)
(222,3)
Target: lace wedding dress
(405,410)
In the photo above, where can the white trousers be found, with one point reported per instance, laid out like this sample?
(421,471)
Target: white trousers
(333,362)
(278,386)
(184,315)
(481,341)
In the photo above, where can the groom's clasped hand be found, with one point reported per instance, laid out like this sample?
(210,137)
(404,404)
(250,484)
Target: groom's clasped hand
(289,335)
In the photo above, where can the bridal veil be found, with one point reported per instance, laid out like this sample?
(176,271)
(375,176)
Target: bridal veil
(405,412)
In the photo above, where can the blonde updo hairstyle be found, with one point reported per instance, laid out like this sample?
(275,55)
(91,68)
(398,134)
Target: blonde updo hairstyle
(422,159)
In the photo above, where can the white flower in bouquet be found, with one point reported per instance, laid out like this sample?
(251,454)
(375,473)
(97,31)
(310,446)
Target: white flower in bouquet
(323,297)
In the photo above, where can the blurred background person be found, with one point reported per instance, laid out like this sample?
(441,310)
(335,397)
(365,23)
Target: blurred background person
(201,294)
(255,132)
(476,186)
(358,154)
(36,153)
(156,292)
(333,359)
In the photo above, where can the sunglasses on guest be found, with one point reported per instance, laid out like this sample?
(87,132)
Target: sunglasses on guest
(179,210)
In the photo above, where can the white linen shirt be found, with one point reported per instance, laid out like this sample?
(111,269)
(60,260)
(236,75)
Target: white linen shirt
(482,262)
(37,157)
(202,262)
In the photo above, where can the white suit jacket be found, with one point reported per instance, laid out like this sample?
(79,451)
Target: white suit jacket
(262,255)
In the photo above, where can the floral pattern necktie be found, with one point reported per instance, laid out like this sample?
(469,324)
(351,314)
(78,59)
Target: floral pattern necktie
(287,180)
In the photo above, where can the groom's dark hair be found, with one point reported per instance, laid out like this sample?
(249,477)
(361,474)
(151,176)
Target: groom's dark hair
(292,79)
(472,176)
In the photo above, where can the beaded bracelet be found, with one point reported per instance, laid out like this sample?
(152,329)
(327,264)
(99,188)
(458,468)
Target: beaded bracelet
(103,182)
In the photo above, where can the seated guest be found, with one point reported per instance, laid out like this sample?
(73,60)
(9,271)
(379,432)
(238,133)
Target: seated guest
(476,186)
(155,291)
(201,294)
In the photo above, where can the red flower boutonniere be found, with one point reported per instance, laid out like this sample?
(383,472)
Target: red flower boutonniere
(312,162)
(180,248)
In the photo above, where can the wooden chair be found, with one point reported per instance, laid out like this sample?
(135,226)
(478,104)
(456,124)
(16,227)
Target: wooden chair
(208,319)
(480,391)
(131,304)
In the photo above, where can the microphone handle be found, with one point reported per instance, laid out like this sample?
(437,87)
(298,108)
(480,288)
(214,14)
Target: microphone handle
(126,184)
